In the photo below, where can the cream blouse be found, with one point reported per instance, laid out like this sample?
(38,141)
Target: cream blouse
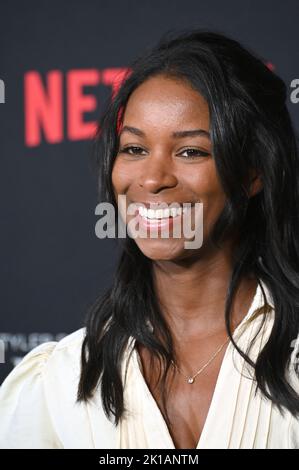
(38,407)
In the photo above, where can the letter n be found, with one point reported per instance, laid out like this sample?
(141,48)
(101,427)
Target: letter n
(43,108)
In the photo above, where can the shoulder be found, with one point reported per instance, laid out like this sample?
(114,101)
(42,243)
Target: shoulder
(46,354)
(68,347)
(63,361)
(55,363)
(47,374)
(71,342)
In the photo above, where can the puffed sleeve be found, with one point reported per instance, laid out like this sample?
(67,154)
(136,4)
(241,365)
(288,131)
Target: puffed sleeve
(25,422)
(294,422)
(294,433)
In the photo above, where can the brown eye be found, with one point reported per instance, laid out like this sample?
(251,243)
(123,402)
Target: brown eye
(136,150)
(196,153)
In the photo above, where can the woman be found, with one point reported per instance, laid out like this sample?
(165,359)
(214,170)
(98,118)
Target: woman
(189,348)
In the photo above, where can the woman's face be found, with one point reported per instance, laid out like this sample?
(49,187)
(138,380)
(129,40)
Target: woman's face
(159,167)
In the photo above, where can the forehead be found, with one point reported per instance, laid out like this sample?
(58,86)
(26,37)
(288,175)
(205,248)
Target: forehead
(166,101)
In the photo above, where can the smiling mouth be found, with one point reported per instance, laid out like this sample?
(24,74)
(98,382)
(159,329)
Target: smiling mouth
(168,218)
(152,214)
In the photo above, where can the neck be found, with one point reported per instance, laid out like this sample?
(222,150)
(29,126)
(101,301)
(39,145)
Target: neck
(192,295)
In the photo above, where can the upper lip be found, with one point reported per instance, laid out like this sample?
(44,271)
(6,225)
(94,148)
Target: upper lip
(156,204)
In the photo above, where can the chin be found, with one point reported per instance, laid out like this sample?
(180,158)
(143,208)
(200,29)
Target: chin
(160,249)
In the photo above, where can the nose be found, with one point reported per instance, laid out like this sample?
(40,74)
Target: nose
(157,174)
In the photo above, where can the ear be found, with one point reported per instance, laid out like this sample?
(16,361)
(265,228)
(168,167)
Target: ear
(255,183)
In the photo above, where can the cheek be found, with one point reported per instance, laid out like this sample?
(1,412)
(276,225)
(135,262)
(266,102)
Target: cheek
(121,177)
(214,201)
(205,181)
(213,192)
(208,190)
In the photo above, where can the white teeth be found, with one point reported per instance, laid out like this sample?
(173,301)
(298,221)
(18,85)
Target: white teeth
(161,213)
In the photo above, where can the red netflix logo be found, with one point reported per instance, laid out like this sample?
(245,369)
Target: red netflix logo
(44,110)
(43,104)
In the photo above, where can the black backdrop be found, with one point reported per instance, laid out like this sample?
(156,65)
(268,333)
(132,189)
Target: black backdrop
(52,55)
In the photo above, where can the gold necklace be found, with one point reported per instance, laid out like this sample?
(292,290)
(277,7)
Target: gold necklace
(191,378)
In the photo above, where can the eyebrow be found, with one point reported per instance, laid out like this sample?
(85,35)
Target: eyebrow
(175,135)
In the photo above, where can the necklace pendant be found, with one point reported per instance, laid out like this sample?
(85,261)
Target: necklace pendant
(190,380)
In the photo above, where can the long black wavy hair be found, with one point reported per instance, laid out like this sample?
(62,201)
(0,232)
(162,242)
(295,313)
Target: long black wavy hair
(250,129)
